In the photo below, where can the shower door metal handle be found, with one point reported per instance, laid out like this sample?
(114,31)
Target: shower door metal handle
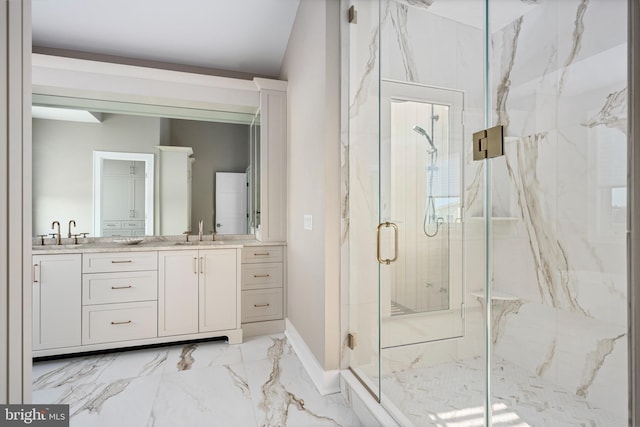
(388,224)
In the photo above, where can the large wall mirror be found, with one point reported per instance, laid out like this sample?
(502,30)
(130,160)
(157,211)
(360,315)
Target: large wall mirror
(125,169)
(218,145)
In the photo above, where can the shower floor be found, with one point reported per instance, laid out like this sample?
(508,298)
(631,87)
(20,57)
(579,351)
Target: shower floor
(398,309)
(451,395)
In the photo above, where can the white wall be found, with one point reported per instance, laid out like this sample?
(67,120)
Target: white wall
(63,164)
(217,147)
(311,65)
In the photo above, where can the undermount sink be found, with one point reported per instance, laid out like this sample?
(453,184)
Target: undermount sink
(63,246)
(197,243)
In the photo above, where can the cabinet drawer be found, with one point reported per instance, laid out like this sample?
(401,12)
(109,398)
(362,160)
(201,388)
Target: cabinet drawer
(261,304)
(261,276)
(112,225)
(119,322)
(117,233)
(107,288)
(119,261)
(257,254)
(133,224)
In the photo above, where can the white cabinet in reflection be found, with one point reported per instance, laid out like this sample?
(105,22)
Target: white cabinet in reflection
(123,198)
(174,178)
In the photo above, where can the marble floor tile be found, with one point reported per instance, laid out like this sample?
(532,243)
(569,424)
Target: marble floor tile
(283,394)
(451,394)
(202,355)
(78,370)
(260,382)
(124,402)
(214,396)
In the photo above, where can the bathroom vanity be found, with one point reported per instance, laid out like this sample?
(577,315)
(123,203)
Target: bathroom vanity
(104,295)
(101,295)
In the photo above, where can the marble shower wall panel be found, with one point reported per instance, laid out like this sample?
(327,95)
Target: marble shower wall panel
(421,47)
(558,78)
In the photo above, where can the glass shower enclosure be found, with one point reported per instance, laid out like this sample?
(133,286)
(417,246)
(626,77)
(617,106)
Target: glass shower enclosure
(488,292)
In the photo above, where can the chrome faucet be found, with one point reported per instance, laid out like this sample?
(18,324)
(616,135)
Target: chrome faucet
(57,235)
(74,224)
(200,230)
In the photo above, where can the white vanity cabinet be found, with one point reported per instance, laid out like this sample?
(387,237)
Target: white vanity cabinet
(119,296)
(101,300)
(262,289)
(199,292)
(56,301)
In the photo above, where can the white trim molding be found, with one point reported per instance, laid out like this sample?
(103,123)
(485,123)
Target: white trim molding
(327,382)
(15,202)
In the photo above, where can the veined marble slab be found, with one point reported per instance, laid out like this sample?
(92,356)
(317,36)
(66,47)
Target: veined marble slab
(257,383)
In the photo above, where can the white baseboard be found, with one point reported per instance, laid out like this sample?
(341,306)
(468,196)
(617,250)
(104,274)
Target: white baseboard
(327,382)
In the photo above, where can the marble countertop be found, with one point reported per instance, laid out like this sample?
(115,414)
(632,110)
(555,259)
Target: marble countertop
(148,244)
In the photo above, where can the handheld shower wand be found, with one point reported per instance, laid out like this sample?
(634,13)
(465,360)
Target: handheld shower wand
(430,209)
(424,133)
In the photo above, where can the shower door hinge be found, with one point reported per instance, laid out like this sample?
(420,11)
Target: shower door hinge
(351,341)
(353,15)
(488,143)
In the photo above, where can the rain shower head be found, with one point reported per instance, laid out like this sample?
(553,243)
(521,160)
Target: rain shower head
(424,133)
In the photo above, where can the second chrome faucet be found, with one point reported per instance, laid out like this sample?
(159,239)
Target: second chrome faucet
(56,235)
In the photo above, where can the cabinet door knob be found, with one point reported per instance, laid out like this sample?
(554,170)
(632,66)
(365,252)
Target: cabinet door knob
(121,323)
(122,287)
(261,305)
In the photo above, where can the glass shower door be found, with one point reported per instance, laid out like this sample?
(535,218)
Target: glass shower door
(416,243)
(420,231)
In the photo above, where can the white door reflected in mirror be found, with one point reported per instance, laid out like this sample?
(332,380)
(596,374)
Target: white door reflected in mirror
(123,194)
(231,203)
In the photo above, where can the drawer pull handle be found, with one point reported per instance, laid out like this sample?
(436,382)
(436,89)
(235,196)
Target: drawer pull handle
(122,287)
(121,323)
(128,261)
(261,275)
(261,254)
(261,305)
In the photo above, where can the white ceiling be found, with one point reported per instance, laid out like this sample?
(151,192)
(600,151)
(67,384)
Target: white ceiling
(247,36)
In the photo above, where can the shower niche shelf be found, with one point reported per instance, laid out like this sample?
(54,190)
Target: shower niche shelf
(496,218)
(496,295)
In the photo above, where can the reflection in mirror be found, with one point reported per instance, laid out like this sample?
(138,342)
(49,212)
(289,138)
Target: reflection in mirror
(423,159)
(421,154)
(123,194)
(253,174)
(63,161)
(425,197)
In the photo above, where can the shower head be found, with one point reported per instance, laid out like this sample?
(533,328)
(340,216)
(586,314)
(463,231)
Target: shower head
(424,133)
